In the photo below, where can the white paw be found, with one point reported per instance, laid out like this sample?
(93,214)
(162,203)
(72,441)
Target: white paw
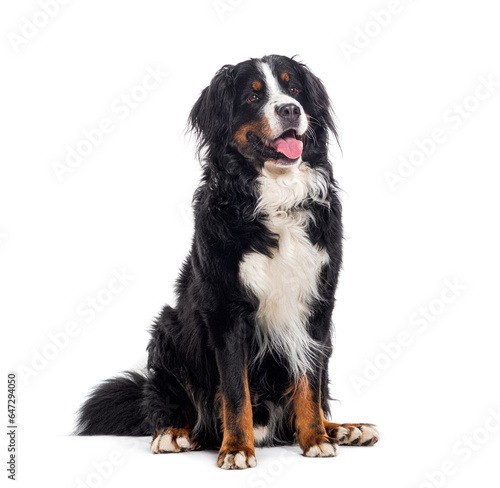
(183,443)
(238,460)
(342,434)
(369,435)
(163,443)
(324,449)
(353,438)
(171,440)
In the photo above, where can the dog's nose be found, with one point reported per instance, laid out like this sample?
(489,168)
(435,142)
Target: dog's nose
(289,112)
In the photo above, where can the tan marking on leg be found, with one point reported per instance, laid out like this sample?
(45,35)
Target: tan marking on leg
(237,450)
(311,432)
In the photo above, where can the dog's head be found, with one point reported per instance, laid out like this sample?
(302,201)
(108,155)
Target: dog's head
(270,109)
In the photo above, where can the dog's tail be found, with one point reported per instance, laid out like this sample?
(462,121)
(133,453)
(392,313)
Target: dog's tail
(115,408)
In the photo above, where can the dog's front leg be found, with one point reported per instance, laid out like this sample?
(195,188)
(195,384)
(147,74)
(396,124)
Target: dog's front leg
(311,433)
(237,450)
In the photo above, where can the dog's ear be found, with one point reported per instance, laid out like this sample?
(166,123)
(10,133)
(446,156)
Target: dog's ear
(321,106)
(211,116)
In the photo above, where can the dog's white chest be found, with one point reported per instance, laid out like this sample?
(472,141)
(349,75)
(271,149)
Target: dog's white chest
(286,283)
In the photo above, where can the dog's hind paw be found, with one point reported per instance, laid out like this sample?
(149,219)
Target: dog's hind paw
(353,434)
(172,440)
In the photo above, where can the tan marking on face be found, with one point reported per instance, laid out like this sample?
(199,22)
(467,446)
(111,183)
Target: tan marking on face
(259,127)
(257,85)
(285,77)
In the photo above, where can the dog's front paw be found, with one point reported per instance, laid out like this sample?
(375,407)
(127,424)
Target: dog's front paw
(323,448)
(236,459)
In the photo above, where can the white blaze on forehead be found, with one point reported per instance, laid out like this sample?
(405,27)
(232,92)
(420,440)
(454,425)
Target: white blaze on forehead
(272,84)
(277,97)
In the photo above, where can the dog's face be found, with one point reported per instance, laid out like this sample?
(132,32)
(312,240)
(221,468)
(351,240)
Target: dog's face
(271,109)
(269,119)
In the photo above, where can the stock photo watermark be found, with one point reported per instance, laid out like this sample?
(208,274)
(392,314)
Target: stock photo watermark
(12,426)
(3,238)
(223,7)
(368,31)
(121,109)
(463,450)
(419,322)
(32,25)
(86,311)
(453,118)
(267,474)
(187,214)
(101,471)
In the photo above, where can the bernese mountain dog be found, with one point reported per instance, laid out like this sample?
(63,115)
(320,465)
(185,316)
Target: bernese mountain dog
(242,359)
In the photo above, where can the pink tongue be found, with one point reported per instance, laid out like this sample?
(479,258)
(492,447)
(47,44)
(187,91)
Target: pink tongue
(289,146)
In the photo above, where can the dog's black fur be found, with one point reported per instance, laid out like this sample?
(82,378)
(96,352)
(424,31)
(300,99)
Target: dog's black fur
(202,350)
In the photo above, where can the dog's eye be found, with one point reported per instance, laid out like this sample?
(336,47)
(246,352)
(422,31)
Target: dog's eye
(293,90)
(253,98)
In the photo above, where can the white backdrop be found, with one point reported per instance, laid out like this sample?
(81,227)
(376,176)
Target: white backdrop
(92,234)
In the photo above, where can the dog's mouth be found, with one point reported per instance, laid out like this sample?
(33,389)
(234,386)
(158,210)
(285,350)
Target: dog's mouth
(286,148)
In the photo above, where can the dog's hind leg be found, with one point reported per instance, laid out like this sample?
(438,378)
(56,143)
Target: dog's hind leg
(170,414)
